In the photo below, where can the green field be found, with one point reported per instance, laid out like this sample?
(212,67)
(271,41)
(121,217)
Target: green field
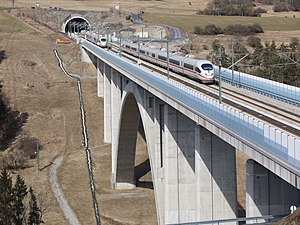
(189,22)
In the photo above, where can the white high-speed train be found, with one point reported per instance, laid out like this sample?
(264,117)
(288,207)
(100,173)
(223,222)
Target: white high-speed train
(189,65)
(95,38)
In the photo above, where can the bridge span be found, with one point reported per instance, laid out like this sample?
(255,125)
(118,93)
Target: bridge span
(192,142)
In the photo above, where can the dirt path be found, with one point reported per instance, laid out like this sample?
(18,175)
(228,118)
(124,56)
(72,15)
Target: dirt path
(58,193)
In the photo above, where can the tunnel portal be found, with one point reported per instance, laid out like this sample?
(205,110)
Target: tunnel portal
(75,23)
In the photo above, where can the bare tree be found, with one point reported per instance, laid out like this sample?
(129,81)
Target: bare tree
(13,2)
(45,202)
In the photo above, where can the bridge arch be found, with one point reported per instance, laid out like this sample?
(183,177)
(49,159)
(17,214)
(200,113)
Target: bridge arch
(132,119)
(75,22)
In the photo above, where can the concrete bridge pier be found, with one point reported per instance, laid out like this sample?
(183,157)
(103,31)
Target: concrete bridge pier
(179,168)
(116,95)
(100,77)
(107,104)
(215,177)
(199,172)
(268,194)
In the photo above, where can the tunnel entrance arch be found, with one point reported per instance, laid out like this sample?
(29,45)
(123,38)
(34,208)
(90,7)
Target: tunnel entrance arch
(75,23)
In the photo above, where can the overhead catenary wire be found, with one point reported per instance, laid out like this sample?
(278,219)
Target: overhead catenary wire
(85,135)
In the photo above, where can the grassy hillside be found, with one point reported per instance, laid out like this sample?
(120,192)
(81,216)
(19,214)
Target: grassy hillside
(188,22)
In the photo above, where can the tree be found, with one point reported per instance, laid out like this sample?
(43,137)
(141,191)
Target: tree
(214,55)
(6,198)
(34,217)
(20,191)
(13,3)
(13,206)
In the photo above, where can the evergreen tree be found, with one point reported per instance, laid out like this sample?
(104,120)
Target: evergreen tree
(6,198)
(34,217)
(20,191)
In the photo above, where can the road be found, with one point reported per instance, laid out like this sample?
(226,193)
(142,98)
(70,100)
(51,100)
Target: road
(176,33)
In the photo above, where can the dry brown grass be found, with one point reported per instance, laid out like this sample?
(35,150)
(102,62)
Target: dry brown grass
(52,102)
(171,6)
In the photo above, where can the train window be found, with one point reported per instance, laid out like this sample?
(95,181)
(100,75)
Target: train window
(127,46)
(174,61)
(133,48)
(162,57)
(142,51)
(153,55)
(189,66)
(207,66)
(198,70)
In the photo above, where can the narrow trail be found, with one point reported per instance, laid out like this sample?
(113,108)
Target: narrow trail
(84,133)
(58,193)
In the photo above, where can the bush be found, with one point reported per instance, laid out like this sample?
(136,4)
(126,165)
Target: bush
(29,146)
(266,2)
(209,29)
(294,44)
(198,30)
(244,30)
(212,29)
(256,28)
(13,160)
(253,41)
(281,7)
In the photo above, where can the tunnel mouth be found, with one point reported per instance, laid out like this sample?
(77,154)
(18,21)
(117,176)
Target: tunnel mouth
(76,24)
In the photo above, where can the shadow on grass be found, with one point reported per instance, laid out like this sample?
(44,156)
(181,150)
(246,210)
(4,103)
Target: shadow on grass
(46,166)
(2,55)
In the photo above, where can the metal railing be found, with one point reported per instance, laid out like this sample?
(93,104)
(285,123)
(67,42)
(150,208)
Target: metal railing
(280,91)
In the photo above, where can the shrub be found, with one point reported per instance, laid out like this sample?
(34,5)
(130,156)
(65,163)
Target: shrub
(13,160)
(253,41)
(212,29)
(294,44)
(281,7)
(209,29)
(198,30)
(244,30)
(29,146)
(256,28)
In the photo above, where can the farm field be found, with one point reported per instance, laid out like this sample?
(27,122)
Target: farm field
(188,22)
(174,6)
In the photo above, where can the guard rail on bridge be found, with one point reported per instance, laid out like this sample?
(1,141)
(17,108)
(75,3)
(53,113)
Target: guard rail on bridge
(283,92)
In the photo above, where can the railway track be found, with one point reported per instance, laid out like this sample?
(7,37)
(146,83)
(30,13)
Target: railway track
(255,105)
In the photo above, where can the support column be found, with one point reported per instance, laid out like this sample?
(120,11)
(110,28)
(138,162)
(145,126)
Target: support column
(100,78)
(115,117)
(179,166)
(215,177)
(159,149)
(107,104)
(268,194)
(84,55)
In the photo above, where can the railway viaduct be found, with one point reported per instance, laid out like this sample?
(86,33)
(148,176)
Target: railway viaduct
(191,142)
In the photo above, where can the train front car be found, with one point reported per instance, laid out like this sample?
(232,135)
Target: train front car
(102,42)
(205,70)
